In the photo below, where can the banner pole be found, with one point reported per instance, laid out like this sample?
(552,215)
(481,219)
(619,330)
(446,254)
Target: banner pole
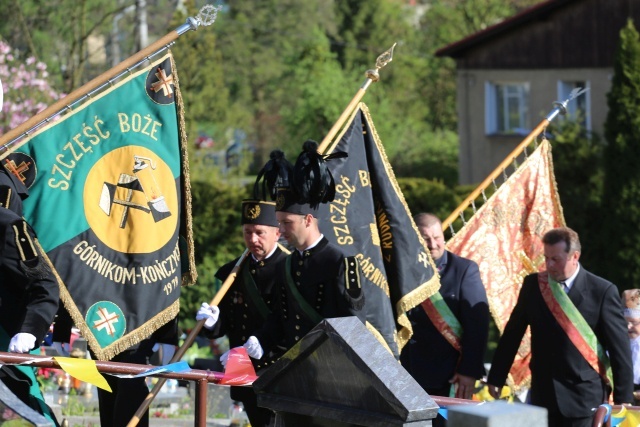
(372,76)
(205,17)
(560,108)
(189,340)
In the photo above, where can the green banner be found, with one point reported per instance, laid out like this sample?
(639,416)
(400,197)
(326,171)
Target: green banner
(107,191)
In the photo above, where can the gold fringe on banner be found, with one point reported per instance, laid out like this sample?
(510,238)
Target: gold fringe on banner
(190,277)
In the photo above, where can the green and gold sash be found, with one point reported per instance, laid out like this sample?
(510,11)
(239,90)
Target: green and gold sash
(576,328)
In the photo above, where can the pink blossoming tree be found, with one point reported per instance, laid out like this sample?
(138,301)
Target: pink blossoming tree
(25,86)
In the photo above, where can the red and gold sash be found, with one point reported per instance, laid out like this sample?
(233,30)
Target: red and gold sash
(574,325)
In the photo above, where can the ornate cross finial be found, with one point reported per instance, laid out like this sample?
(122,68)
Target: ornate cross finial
(207,14)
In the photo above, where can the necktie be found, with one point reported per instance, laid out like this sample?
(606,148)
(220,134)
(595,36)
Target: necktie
(565,288)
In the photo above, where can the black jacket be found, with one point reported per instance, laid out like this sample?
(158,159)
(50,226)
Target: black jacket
(561,379)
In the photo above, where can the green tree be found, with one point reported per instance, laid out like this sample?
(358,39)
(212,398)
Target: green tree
(578,168)
(423,195)
(256,39)
(76,38)
(622,175)
(318,93)
(217,240)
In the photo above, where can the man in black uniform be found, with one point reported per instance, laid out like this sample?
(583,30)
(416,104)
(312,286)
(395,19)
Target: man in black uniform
(29,296)
(317,280)
(250,299)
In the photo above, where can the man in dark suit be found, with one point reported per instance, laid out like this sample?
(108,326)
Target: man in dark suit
(565,307)
(437,364)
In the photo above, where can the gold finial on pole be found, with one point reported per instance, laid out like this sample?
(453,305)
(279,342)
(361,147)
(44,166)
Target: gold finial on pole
(381,62)
(373,76)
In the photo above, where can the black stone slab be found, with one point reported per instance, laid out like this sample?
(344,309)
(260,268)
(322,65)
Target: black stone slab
(339,372)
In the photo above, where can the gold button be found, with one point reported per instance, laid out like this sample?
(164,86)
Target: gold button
(298,273)
(297,327)
(296,338)
(300,262)
(253,271)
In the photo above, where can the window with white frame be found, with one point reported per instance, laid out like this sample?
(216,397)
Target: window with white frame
(579,108)
(507,108)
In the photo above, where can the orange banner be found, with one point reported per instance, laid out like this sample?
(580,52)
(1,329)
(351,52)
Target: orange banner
(504,238)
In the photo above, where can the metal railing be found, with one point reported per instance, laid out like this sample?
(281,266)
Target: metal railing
(202,378)
(601,414)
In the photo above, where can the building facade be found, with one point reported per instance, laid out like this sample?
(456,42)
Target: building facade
(509,75)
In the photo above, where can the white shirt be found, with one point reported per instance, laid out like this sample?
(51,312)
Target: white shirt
(311,246)
(569,282)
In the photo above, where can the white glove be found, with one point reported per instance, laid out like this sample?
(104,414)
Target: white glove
(224,358)
(209,312)
(254,349)
(168,351)
(22,342)
(63,348)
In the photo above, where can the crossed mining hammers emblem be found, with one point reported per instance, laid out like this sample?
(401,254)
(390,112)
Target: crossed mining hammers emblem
(138,191)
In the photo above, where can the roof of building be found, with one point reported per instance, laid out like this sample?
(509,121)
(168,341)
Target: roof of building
(532,13)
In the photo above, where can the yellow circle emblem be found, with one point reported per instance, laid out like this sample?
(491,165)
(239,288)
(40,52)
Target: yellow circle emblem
(131,201)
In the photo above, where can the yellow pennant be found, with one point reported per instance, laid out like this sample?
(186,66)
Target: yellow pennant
(84,370)
(626,418)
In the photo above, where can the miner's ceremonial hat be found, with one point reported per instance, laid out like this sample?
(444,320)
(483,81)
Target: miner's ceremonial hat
(259,212)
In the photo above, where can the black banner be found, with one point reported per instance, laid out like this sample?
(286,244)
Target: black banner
(370,218)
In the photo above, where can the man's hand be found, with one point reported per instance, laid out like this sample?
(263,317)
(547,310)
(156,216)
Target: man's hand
(494,391)
(465,386)
(253,347)
(210,313)
(168,351)
(63,348)
(224,358)
(22,342)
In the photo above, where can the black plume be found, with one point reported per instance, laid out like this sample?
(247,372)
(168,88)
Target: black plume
(276,173)
(312,180)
